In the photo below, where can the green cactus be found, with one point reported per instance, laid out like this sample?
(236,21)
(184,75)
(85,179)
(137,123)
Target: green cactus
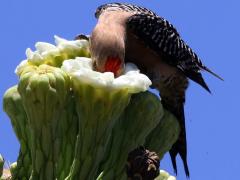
(75,123)
(46,98)
(141,115)
(12,104)
(98,110)
(163,135)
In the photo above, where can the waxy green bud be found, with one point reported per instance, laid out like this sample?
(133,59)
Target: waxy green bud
(100,101)
(47,100)
(1,165)
(12,104)
(164,135)
(139,118)
(164,176)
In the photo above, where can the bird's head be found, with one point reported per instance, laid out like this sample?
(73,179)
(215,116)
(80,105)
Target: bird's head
(107,46)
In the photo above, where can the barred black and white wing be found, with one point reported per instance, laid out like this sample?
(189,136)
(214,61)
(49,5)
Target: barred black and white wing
(163,38)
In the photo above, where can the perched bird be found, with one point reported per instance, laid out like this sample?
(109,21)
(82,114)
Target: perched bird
(129,33)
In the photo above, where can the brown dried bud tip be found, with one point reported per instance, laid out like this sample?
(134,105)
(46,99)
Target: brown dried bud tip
(82,36)
(142,164)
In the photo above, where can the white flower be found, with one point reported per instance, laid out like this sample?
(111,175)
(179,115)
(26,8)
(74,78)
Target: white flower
(43,47)
(20,67)
(34,57)
(81,69)
(64,44)
(47,53)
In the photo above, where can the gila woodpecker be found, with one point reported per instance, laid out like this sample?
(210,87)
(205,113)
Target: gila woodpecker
(129,33)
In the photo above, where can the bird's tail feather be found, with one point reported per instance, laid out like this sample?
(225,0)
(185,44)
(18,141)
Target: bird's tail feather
(211,72)
(180,146)
(197,77)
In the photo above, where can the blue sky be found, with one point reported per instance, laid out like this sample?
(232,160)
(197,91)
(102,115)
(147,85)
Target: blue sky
(211,28)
